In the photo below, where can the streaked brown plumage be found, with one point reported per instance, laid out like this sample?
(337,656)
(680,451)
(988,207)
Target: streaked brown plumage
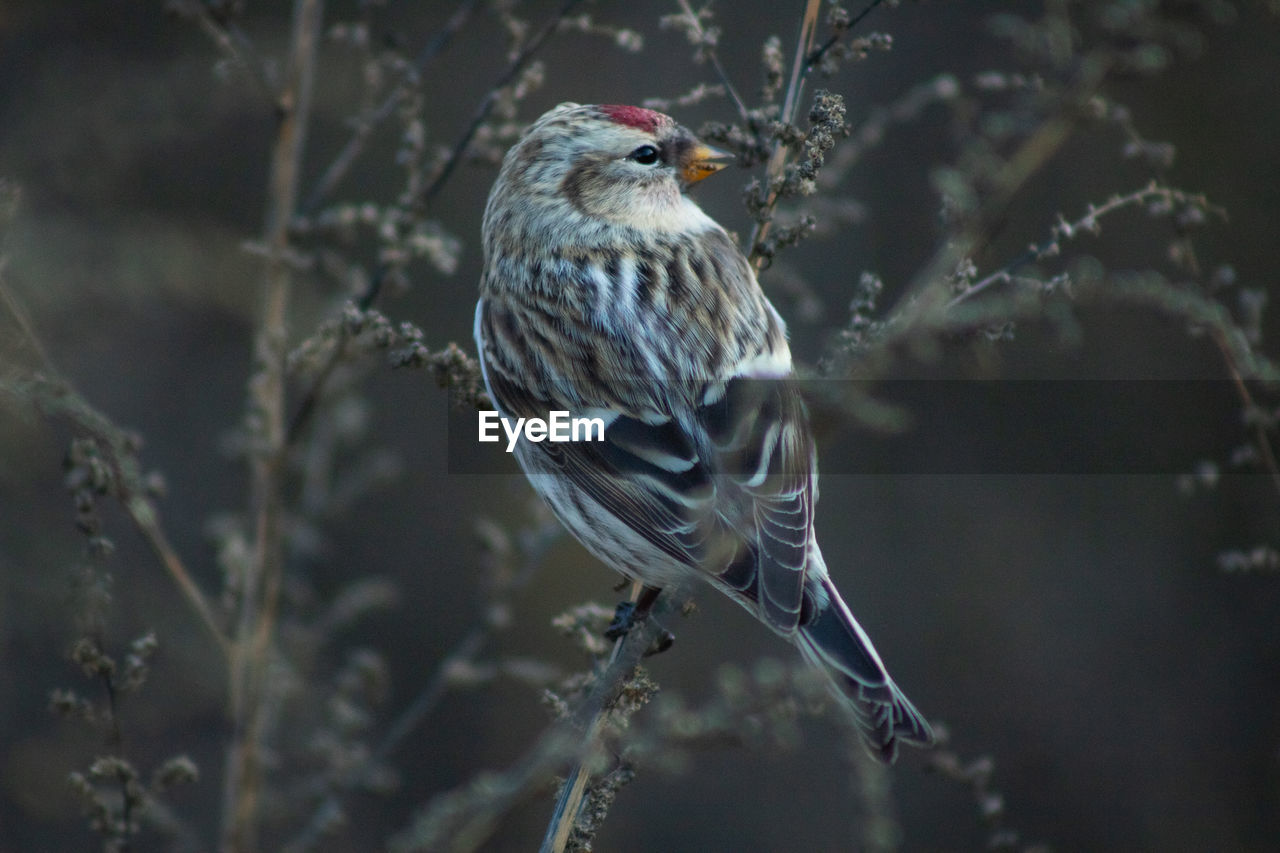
(608,293)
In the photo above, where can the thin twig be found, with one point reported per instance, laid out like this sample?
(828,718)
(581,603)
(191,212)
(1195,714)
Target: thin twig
(1068,230)
(714,58)
(26,330)
(423,197)
(145,517)
(230,41)
(54,397)
(815,57)
(565,814)
(330,808)
(482,112)
(463,654)
(350,152)
(808,30)
(261,580)
(778,157)
(925,296)
(1246,398)
(463,819)
(874,129)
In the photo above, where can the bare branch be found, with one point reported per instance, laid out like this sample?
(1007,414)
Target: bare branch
(707,49)
(231,41)
(1089,222)
(355,146)
(266,424)
(463,819)
(482,112)
(778,157)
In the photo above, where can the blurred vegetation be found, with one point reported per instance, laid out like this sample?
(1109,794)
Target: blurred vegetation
(285,609)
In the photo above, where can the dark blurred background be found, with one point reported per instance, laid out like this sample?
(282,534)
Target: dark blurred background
(1074,626)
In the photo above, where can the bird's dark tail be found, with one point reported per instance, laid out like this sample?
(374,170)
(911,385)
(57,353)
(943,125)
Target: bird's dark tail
(832,640)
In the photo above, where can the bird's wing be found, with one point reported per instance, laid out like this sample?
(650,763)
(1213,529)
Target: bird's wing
(763,451)
(725,487)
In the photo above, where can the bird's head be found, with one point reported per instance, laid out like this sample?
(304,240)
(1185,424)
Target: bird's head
(609,164)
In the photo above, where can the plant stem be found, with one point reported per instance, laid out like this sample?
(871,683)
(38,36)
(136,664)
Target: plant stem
(569,803)
(778,158)
(260,585)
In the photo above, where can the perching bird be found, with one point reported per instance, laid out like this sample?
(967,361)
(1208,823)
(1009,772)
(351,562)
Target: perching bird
(608,293)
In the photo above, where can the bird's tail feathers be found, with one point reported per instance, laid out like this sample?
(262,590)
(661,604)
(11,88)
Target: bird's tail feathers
(835,642)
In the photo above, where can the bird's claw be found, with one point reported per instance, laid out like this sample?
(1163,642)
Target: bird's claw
(624,619)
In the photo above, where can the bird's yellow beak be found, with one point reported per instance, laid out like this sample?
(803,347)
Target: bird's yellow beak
(699,164)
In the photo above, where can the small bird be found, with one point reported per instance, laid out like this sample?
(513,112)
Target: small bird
(608,293)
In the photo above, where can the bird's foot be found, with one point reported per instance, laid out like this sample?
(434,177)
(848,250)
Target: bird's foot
(628,614)
(624,619)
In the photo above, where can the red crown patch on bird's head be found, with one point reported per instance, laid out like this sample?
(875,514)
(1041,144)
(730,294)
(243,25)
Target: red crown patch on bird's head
(637,117)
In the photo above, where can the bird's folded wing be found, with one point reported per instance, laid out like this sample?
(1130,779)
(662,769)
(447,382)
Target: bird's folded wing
(725,487)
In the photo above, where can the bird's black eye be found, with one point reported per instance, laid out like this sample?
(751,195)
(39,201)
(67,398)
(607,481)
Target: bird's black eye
(645,155)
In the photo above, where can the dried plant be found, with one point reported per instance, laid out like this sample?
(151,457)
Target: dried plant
(312,722)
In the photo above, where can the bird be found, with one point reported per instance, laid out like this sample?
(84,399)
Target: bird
(608,293)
